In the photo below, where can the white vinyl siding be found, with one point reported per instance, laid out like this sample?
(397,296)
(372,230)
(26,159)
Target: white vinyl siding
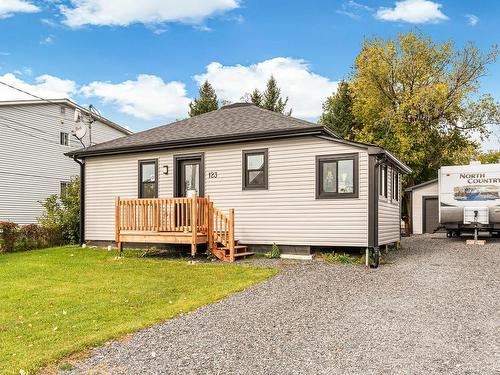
(32,160)
(389,221)
(286,213)
(417,201)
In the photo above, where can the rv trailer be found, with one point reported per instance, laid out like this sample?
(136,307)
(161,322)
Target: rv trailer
(469,198)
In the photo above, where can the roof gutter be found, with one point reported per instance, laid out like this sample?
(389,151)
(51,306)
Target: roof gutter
(317,130)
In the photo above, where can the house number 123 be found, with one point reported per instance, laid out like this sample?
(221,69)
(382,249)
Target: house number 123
(212,174)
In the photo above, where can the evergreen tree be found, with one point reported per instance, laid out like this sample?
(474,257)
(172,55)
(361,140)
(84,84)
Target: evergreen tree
(270,98)
(256,98)
(207,101)
(337,113)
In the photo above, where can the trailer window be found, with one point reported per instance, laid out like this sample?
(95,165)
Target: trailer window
(337,176)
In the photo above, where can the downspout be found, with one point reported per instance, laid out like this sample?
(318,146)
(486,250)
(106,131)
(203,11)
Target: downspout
(82,198)
(374,162)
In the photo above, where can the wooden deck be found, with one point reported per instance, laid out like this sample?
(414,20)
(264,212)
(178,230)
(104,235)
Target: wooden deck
(191,221)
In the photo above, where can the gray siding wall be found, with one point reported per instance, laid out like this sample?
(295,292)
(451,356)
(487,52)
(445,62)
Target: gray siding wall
(32,162)
(417,206)
(389,222)
(287,213)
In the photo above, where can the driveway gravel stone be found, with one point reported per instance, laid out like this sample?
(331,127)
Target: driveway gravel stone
(433,308)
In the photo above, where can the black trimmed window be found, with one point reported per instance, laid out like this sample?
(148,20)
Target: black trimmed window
(395,185)
(64,138)
(255,169)
(148,178)
(383,179)
(337,176)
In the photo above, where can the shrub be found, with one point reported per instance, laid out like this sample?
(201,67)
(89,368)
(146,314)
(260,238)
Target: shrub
(62,214)
(275,251)
(28,237)
(339,258)
(8,235)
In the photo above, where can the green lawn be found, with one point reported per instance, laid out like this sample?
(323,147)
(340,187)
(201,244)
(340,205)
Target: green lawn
(57,301)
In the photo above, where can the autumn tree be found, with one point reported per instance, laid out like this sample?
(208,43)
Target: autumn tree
(420,99)
(207,101)
(270,98)
(489,157)
(337,113)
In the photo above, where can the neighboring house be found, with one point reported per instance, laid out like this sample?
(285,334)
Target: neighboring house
(289,181)
(34,136)
(424,207)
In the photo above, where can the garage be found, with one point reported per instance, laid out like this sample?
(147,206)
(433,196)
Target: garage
(424,207)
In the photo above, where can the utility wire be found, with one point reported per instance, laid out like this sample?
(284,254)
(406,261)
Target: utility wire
(33,175)
(26,133)
(26,92)
(25,126)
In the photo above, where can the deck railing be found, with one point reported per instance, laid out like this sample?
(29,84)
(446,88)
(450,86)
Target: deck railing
(195,215)
(162,214)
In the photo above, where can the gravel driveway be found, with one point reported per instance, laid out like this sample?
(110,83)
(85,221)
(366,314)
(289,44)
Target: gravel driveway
(433,309)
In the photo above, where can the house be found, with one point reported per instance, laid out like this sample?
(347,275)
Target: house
(424,207)
(34,136)
(289,182)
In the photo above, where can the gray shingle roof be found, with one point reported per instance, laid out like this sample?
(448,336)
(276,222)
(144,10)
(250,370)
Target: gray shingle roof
(232,121)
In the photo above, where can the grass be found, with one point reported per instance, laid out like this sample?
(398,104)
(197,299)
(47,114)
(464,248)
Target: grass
(58,301)
(339,258)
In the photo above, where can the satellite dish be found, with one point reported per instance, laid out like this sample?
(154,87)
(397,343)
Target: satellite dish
(79,130)
(77,116)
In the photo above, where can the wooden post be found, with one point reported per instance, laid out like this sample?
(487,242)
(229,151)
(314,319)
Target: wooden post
(231,235)
(210,230)
(117,226)
(194,224)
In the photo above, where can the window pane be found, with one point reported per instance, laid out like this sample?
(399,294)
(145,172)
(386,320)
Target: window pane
(346,176)
(329,171)
(148,190)
(256,178)
(192,177)
(255,161)
(148,173)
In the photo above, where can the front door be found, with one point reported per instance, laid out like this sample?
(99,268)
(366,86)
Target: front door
(189,177)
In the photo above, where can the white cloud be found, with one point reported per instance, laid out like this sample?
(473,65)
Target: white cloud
(115,12)
(353,10)
(412,11)
(48,40)
(146,97)
(472,20)
(306,90)
(9,7)
(45,86)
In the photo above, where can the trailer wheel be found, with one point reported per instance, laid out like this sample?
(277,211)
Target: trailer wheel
(374,257)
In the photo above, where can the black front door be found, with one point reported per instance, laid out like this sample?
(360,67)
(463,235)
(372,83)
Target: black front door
(189,177)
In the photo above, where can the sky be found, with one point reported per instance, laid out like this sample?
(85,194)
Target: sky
(141,62)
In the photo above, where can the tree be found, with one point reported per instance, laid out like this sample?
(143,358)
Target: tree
(207,101)
(62,213)
(489,157)
(337,113)
(419,99)
(270,98)
(256,98)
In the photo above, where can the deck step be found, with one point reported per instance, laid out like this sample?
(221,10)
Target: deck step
(246,254)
